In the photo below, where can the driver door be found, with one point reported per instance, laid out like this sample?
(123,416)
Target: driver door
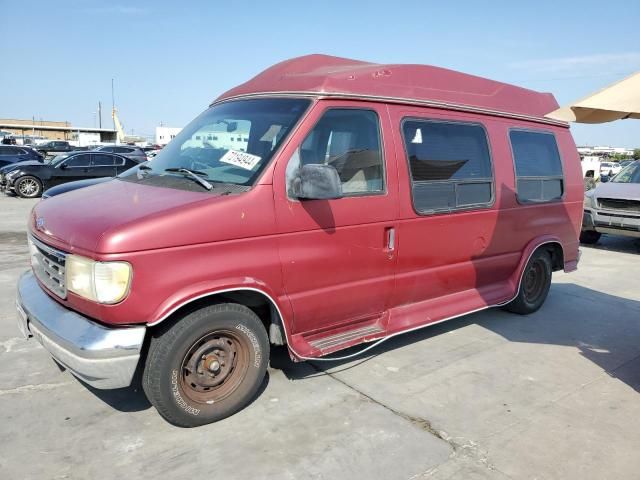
(338,256)
(77,167)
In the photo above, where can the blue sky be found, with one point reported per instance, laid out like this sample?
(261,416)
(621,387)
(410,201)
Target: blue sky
(170,59)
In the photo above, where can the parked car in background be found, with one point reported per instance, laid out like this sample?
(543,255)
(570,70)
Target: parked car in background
(610,168)
(30,180)
(132,152)
(53,147)
(613,207)
(10,154)
(338,216)
(75,185)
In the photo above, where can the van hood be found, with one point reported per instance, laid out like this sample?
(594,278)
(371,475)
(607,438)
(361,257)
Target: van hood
(625,191)
(121,216)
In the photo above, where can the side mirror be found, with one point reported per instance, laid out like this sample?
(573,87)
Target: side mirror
(316,182)
(63,166)
(604,178)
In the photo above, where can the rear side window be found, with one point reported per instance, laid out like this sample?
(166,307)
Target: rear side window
(537,165)
(450,165)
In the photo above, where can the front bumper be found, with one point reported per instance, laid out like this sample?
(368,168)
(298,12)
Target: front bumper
(101,356)
(612,222)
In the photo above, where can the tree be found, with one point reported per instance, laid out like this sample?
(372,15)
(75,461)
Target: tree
(636,154)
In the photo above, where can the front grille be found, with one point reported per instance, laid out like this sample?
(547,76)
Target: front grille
(620,204)
(48,265)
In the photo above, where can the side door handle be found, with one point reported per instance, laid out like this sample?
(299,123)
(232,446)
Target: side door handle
(391,239)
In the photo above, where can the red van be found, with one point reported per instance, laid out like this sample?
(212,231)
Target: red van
(325,203)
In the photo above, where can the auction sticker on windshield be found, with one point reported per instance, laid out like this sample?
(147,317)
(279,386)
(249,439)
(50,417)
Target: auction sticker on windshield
(240,159)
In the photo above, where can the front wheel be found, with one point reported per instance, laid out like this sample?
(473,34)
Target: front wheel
(534,286)
(589,237)
(28,187)
(206,366)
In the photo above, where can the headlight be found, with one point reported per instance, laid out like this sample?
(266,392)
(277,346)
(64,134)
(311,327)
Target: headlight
(103,282)
(590,200)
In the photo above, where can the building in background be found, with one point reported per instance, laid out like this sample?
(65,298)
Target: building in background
(165,134)
(30,131)
(605,151)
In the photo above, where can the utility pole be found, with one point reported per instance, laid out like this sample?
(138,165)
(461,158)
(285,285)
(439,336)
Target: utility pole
(100,114)
(113,104)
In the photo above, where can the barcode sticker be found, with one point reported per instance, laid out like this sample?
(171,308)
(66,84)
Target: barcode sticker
(240,159)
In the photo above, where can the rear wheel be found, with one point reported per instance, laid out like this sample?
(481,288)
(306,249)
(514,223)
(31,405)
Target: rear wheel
(589,237)
(206,366)
(534,286)
(28,187)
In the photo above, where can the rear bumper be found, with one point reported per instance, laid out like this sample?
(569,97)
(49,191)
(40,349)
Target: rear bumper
(101,356)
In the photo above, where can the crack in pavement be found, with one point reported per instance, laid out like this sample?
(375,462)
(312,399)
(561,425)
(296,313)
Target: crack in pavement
(465,448)
(33,388)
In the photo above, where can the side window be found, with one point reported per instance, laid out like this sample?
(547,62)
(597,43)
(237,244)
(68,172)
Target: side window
(106,149)
(349,141)
(538,166)
(104,160)
(122,150)
(450,165)
(78,161)
(5,151)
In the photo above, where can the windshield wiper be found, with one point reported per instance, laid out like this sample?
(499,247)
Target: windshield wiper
(194,174)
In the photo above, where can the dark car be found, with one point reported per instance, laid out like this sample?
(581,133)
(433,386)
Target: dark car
(70,186)
(129,151)
(10,154)
(29,179)
(53,147)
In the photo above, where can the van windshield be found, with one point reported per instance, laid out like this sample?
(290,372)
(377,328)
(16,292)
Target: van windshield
(230,142)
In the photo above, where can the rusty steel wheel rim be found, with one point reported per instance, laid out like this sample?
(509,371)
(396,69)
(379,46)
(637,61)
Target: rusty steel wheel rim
(214,366)
(534,281)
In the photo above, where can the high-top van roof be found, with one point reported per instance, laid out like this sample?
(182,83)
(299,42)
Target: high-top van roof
(324,75)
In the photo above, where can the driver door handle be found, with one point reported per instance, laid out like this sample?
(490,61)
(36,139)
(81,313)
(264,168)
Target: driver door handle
(391,239)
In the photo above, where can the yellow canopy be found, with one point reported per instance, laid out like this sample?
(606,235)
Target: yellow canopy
(615,102)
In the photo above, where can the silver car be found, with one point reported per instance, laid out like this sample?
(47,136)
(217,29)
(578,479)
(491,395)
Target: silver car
(613,207)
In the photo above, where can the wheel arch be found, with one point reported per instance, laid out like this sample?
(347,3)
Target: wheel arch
(259,301)
(552,245)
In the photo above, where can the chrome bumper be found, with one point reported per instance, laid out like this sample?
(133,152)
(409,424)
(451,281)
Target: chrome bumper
(100,356)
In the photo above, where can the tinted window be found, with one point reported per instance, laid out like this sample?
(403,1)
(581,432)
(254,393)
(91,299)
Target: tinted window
(106,149)
(538,166)
(122,150)
(6,151)
(105,160)
(450,164)
(349,141)
(78,161)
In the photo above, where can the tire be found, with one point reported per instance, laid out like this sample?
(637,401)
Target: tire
(589,237)
(534,286)
(28,187)
(186,377)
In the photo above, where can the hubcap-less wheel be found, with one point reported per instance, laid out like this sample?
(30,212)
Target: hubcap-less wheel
(534,281)
(28,187)
(214,366)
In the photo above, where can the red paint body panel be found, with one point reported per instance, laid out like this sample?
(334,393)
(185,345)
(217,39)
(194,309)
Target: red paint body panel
(326,264)
(323,74)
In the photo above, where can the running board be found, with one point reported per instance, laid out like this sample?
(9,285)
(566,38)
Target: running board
(333,341)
